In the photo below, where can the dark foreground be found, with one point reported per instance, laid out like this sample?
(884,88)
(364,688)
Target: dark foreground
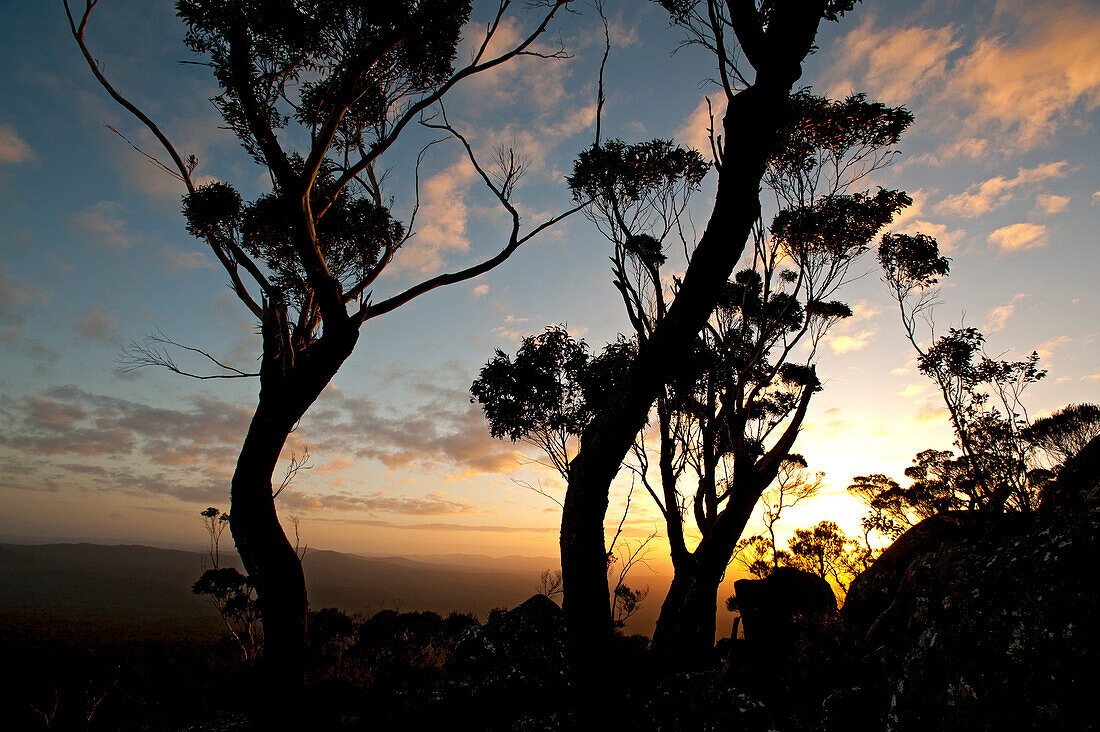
(966,622)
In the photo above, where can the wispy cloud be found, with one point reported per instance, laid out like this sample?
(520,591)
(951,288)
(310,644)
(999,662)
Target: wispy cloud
(1019,237)
(1051,203)
(13,148)
(16,296)
(981,198)
(103,223)
(99,325)
(997,318)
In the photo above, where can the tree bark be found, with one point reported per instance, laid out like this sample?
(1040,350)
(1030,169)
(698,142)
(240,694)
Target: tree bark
(751,137)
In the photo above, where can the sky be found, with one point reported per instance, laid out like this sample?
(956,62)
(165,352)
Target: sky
(1002,164)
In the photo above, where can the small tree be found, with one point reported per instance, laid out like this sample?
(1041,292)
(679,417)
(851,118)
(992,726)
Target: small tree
(826,551)
(231,593)
(983,395)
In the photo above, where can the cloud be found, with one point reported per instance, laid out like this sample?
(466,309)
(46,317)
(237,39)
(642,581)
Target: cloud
(981,198)
(480,291)
(1026,87)
(1019,237)
(13,148)
(896,64)
(997,318)
(928,413)
(912,390)
(443,215)
(845,337)
(910,221)
(854,342)
(524,80)
(178,260)
(433,504)
(1047,348)
(103,224)
(1031,72)
(1050,203)
(1096,198)
(69,420)
(444,430)
(694,131)
(99,325)
(16,296)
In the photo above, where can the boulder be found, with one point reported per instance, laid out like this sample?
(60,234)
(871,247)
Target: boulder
(875,588)
(1077,485)
(772,607)
(992,627)
(522,648)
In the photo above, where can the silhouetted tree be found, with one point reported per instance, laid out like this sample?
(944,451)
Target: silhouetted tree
(1066,432)
(773,39)
(348,78)
(544,397)
(230,591)
(826,551)
(550,583)
(983,395)
(729,414)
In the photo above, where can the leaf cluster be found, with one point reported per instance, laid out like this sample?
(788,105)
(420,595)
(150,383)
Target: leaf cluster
(366,56)
(616,171)
(912,260)
(837,227)
(818,125)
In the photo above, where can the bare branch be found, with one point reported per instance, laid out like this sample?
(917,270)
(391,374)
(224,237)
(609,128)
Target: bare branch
(297,463)
(153,350)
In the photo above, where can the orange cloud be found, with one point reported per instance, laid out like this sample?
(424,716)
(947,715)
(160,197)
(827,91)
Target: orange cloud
(1032,87)
(981,198)
(1019,237)
(13,148)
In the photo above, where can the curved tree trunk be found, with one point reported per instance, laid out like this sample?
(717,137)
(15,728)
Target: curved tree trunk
(269,558)
(287,390)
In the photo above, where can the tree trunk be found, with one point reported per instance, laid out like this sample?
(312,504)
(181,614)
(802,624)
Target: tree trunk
(268,556)
(270,560)
(684,636)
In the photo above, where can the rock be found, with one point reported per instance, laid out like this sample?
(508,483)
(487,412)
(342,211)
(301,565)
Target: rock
(770,607)
(693,702)
(997,627)
(874,589)
(523,648)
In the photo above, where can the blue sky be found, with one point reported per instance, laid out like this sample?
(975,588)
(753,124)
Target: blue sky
(1002,164)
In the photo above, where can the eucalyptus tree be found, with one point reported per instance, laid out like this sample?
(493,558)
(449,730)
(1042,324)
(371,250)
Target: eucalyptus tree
(728,414)
(767,41)
(983,396)
(345,80)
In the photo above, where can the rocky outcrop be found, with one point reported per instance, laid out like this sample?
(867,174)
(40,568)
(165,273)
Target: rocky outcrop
(995,626)
(871,593)
(522,647)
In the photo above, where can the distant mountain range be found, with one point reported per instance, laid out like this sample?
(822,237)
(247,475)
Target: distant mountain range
(135,591)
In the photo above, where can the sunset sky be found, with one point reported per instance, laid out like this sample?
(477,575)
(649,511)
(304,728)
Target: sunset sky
(1002,164)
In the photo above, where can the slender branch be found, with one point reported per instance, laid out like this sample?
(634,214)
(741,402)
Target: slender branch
(153,351)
